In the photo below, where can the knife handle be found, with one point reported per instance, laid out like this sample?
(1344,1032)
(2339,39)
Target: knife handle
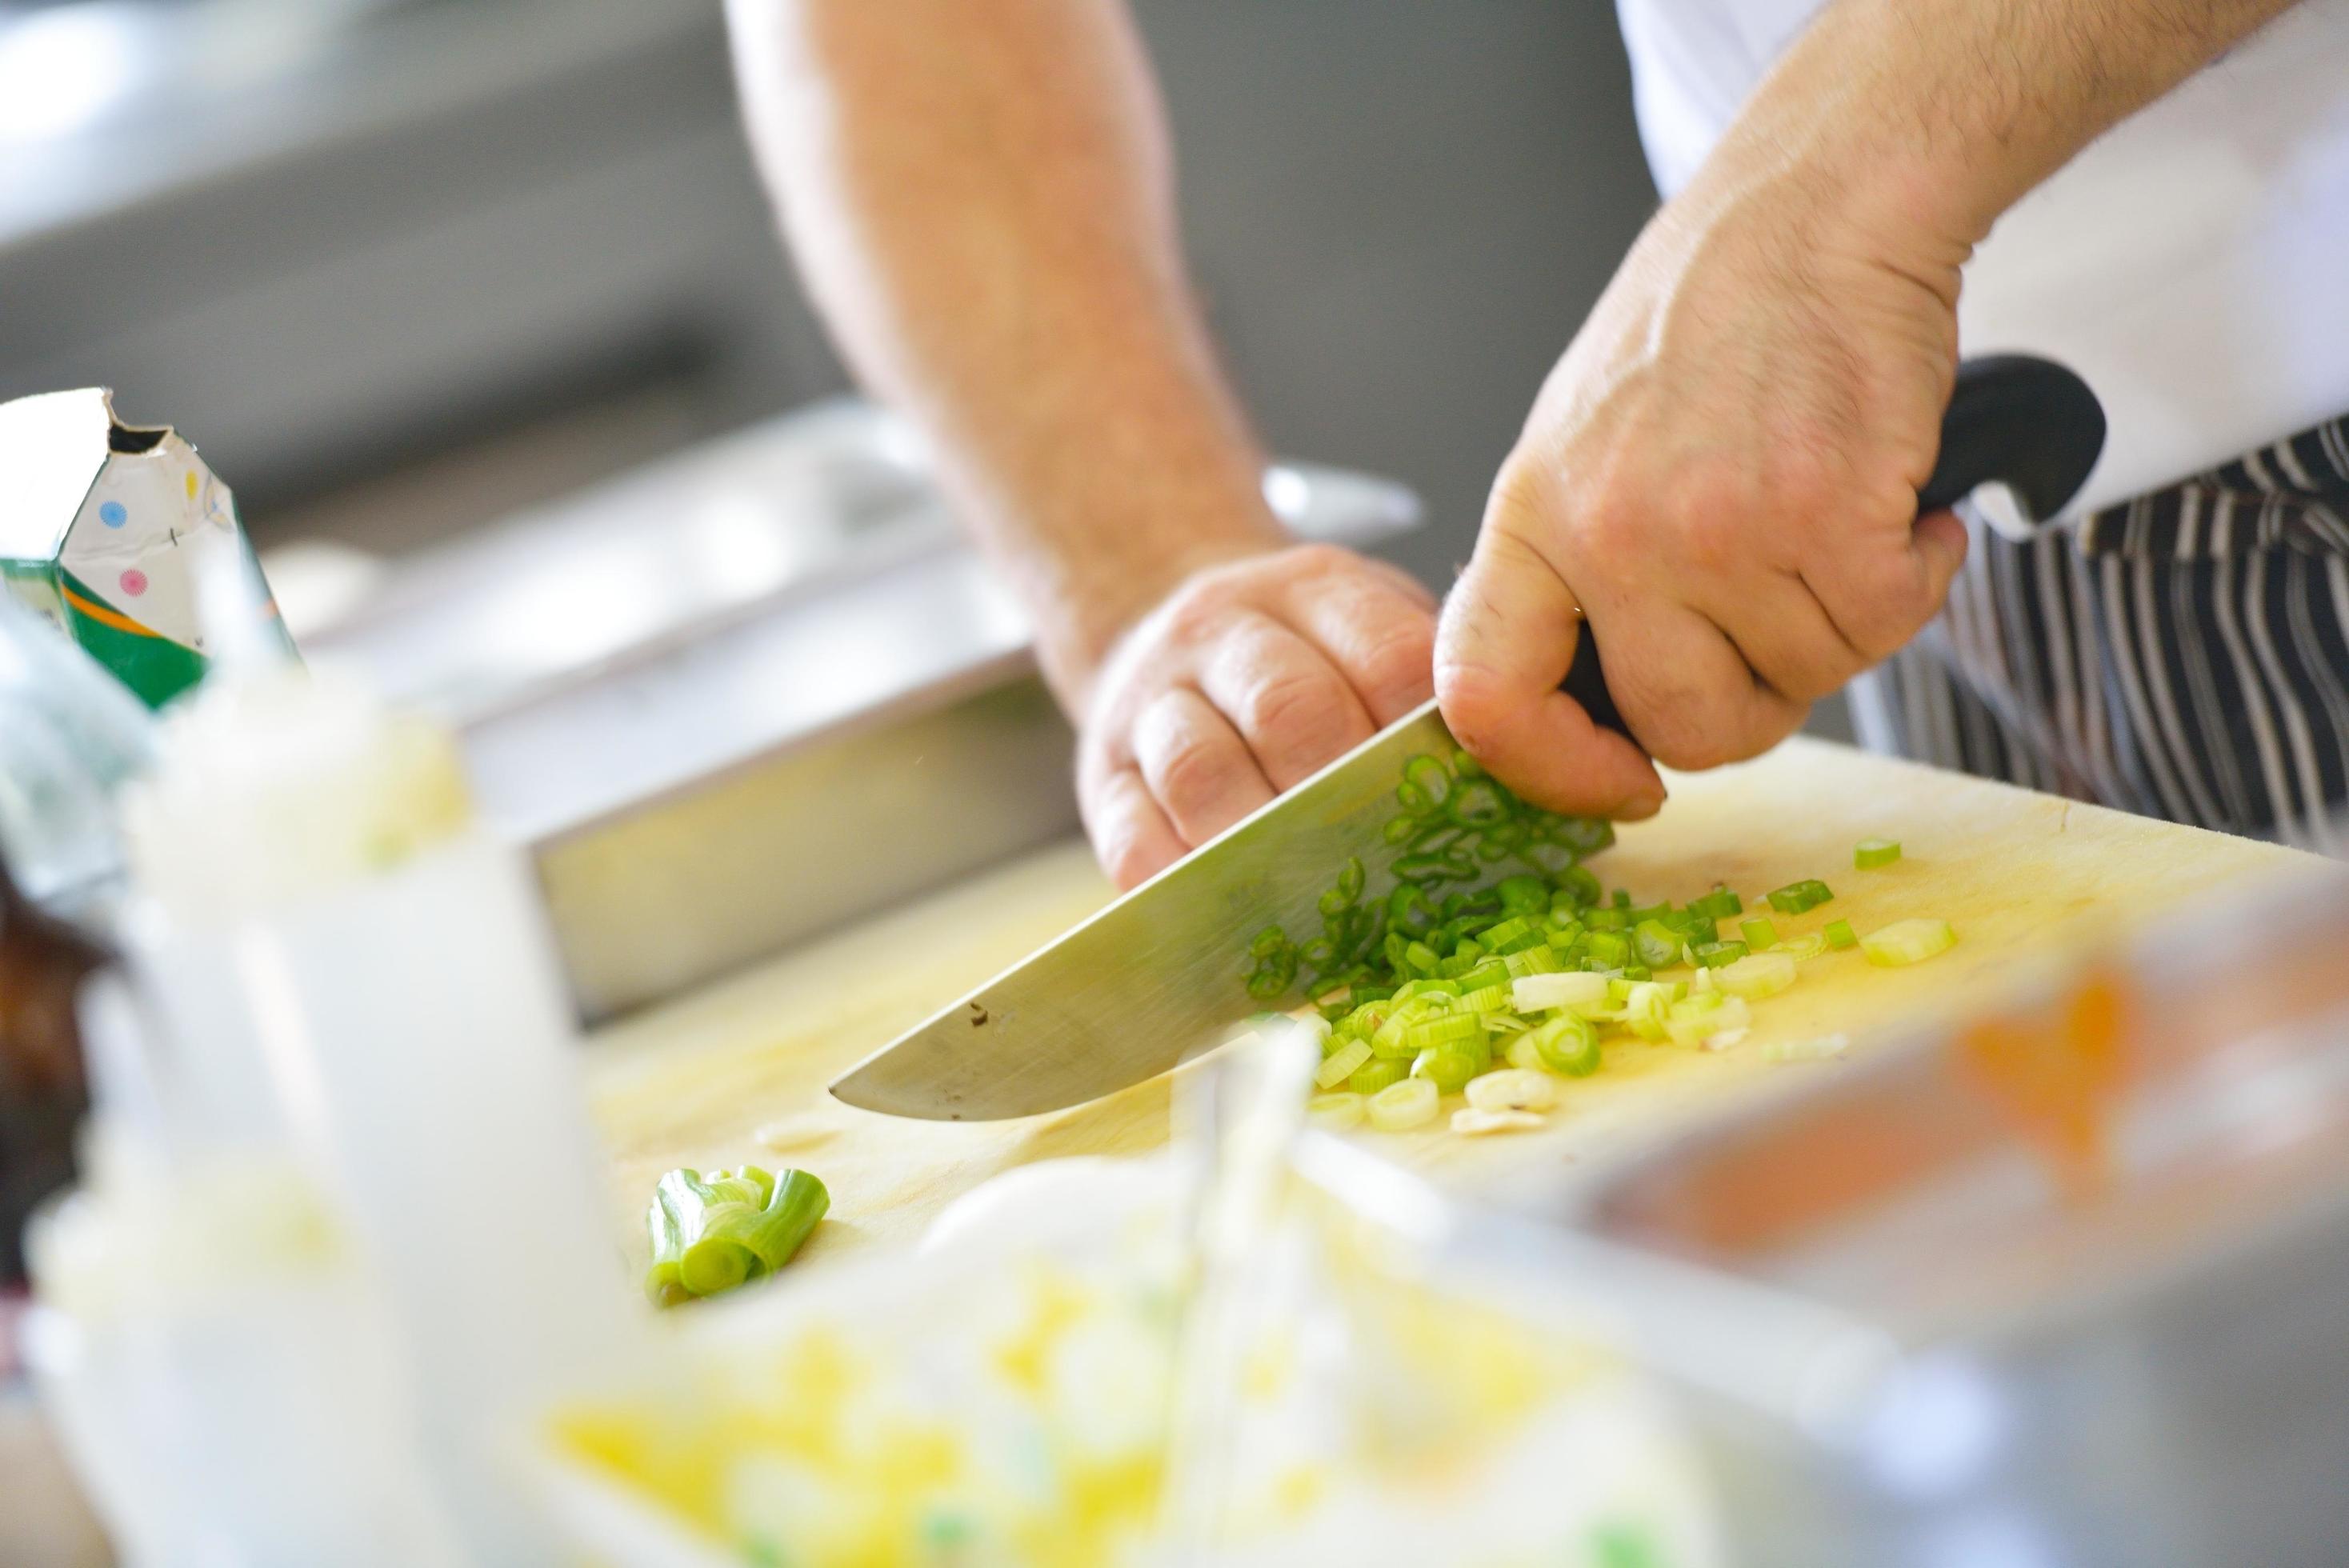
(2015,419)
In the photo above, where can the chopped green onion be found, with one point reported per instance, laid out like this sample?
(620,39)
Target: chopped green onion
(1377,1074)
(1758,934)
(1402,1106)
(1512,1089)
(1541,992)
(1757,975)
(1692,1026)
(1796,897)
(1567,1044)
(1657,944)
(1608,949)
(1340,1064)
(1716,954)
(1449,1067)
(1871,853)
(1840,934)
(1805,947)
(1718,904)
(1908,942)
(1334,1112)
(1644,1009)
(1442,1030)
(710,1235)
(1490,999)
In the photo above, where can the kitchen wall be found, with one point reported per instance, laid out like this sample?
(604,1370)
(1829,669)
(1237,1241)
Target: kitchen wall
(406,267)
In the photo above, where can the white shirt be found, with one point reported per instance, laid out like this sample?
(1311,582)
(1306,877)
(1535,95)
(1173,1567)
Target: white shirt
(2192,264)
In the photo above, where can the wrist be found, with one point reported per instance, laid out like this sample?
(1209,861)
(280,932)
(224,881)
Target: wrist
(1090,606)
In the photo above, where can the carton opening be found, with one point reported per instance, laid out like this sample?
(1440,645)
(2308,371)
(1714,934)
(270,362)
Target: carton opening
(134,439)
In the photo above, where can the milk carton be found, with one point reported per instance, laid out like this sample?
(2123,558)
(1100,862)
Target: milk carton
(105,528)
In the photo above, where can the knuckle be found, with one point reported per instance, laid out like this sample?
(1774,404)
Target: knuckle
(1191,775)
(1301,710)
(1397,666)
(1316,559)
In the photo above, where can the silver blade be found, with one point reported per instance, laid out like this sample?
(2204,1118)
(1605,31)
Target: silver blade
(1156,975)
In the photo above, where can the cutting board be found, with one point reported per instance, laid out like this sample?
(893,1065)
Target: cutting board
(737,1072)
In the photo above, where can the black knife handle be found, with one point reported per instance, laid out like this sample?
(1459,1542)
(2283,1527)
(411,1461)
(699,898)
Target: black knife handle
(2027,423)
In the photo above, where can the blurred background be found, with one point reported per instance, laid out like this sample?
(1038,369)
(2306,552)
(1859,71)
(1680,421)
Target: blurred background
(402,267)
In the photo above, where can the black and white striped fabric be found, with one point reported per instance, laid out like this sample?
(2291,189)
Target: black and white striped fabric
(2185,654)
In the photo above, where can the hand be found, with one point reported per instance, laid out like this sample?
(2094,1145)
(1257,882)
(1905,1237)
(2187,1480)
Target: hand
(1720,478)
(1245,680)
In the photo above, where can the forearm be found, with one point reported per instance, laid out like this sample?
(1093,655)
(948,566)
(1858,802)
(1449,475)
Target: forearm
(1933,116)
(981,198)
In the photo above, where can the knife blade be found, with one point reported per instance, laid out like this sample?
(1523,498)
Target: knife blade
(1158,975)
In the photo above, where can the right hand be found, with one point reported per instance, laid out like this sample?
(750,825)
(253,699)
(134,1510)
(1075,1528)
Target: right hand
(1721,475)
(1245,680)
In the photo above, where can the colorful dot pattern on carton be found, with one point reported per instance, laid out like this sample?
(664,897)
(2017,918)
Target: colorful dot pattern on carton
(112,514)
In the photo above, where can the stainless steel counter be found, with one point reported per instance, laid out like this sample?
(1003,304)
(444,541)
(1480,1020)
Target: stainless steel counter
(748,692)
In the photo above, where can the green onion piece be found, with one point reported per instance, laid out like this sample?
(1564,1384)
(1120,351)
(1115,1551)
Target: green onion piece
(1268,941)
(1491,972)
(1803,948)
(1512,1089)
(712,1235)
(1490,999)
(1718,904)
(1378,1073)
(1522,895)
(1840,934)
(1645,1007)
(1399,830)
(1906,942)
(1340,1064)
(1421,958)
(1448,1070)
(1796,897)
(1579,884)
(1871,853)
(1609,949)
(1442,1030)
(1542,960)
(1756,975)
(1465,766)
(1334,1112)
(1758,933)
(1542,993)
(1568,1044)
(1351,878)
(1401,1106)
(1693,1027)
(1717,955)
(1658,944)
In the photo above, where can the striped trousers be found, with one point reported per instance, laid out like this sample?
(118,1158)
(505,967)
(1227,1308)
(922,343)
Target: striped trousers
(2184,655)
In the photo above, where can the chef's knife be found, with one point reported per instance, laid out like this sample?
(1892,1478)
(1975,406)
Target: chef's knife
(1157,974)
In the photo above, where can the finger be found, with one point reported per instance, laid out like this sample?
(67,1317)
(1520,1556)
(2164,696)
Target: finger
(1786,637)
(1288,701)
(1131,836)
(1382,641)
(1196,765)
(1686,690)
(1879,597)
(1505,638)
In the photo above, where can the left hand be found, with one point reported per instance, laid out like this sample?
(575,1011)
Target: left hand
(1246,679)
